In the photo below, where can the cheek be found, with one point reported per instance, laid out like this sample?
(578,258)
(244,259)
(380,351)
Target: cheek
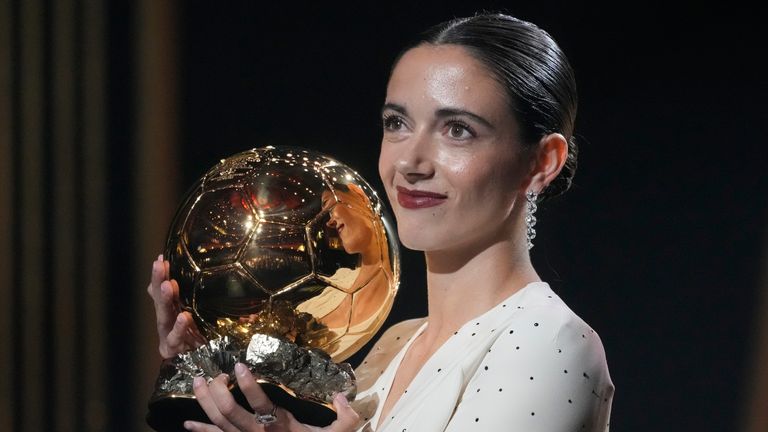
(464,170)
(386,164)
(488,177)
(382,161)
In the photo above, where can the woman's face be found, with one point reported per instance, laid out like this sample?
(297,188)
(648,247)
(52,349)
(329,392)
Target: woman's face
(354,229)
(451,161)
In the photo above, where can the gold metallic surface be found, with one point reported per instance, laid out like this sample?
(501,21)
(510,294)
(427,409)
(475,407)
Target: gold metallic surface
(288,243)
(285,243)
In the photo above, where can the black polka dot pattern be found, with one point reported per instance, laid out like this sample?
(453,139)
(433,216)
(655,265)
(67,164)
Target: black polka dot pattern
(538,365)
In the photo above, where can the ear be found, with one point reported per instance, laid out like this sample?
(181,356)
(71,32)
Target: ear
(547,160)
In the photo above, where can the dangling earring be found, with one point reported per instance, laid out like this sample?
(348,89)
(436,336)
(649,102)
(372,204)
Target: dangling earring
(530,219)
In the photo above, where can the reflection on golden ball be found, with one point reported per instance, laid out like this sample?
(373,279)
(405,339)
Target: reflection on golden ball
(285,242)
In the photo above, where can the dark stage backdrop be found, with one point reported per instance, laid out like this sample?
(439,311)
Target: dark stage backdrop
(661,245)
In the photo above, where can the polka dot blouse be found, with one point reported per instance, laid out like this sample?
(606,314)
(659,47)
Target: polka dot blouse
(528,364)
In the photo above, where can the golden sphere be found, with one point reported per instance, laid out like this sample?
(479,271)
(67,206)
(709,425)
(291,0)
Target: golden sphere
(286,242)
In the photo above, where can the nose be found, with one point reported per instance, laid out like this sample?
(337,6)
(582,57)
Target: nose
(332,222)
(415,161)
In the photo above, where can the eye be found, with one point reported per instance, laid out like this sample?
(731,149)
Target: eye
(393,123)
(460,130)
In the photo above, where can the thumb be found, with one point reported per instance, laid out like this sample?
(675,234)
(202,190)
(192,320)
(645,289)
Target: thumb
(346,417)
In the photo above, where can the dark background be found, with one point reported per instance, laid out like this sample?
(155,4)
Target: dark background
(660,242)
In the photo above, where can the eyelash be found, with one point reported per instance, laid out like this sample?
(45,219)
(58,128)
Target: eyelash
(390,119)
(457,122)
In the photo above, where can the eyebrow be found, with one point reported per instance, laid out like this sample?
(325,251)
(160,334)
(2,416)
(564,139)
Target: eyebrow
(394,107)
(441,113)
(453,112)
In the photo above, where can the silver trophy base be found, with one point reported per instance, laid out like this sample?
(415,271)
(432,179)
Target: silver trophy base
(302,381)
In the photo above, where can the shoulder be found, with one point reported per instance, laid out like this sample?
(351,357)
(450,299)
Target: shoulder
(546,327)
(547,366)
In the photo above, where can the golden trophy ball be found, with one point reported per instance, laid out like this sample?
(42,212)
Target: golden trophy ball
(288,261)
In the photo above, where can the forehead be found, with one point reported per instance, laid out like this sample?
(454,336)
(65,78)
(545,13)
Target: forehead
(445,74)
(351,197)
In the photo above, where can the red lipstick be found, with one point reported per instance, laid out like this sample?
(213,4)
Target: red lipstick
(416,199)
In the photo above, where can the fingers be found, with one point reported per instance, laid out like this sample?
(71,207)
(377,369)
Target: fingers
(176,338)
(166,267)
(200,427)
(223,410)
(177,331)
(261,403)
(184,336)
(207,396)
(156,278)
(164,296)
(346,417)
(256,397)
(232,412)
(159,271)
(165,306)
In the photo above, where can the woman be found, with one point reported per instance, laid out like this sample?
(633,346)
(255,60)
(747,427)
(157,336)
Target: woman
(358,234)
(477,128)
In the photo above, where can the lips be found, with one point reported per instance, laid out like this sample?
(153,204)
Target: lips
(416,199)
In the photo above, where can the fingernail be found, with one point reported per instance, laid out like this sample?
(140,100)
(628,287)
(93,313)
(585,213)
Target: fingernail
(180,319)
(241,369)
(198,382)
(160,257)
(342,400)
(188,425)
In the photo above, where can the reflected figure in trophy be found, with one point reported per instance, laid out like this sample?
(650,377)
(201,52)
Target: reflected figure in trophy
(351,228)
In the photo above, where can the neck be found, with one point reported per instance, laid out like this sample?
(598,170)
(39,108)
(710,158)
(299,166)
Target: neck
(465,283)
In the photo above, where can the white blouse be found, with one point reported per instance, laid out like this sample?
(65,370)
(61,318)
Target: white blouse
(529,364)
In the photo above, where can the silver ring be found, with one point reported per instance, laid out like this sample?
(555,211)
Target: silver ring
(267,419)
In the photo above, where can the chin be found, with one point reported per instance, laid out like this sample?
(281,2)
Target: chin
(417,239)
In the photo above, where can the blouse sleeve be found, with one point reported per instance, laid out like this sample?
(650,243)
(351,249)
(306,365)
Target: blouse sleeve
(547,372)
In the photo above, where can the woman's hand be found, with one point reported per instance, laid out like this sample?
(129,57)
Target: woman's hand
(176,329)
(228,416)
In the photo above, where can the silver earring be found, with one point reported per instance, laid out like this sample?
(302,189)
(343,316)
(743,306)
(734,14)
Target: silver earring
(530,219)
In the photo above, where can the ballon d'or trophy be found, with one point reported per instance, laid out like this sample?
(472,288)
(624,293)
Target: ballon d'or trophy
(288,262)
